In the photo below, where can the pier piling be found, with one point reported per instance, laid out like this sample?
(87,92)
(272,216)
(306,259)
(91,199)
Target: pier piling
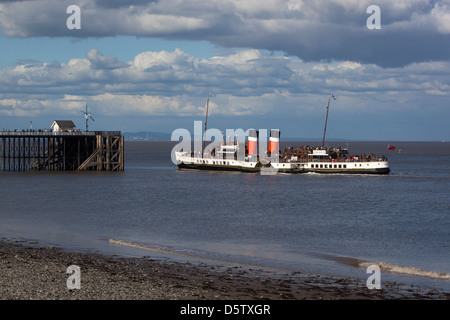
(61,151)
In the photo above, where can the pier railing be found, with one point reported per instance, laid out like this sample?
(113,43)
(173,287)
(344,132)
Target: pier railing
(57,133)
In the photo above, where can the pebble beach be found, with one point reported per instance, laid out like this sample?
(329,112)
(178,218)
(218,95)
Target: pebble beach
(32,271)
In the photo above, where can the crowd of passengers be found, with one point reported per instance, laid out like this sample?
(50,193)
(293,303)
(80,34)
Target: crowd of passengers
(302,153)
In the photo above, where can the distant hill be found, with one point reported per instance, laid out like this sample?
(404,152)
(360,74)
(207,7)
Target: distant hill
(162,136)
(146,136)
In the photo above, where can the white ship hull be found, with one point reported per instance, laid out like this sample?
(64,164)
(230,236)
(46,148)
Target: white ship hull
(186,161)
(376,166)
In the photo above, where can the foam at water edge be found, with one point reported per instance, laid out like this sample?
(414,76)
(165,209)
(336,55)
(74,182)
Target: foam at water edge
(177,253)
(406,270)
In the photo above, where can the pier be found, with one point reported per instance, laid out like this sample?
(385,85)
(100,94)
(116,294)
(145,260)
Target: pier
(22,151)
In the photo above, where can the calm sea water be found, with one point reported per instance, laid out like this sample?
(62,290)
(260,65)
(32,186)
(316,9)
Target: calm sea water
(312,222)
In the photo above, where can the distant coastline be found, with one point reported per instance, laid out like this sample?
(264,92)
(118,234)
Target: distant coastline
(164,136)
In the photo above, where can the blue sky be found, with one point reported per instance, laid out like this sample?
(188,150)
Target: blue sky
(125,48)
(151,65)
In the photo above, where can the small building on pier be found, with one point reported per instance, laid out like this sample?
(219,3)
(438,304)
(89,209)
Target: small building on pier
(63,126)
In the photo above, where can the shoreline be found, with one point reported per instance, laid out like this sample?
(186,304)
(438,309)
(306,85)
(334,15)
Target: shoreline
(33,271)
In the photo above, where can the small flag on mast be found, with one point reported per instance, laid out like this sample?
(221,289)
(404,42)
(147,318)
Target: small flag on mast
(332,96)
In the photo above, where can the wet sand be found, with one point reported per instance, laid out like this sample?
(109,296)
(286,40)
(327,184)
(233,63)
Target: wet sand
(32,271)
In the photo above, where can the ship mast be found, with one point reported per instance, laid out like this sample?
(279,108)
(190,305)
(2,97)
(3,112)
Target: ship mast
(206,124)
(326,120)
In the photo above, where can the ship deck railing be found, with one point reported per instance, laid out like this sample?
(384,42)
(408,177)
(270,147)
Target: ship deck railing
(303,160)
(300,160)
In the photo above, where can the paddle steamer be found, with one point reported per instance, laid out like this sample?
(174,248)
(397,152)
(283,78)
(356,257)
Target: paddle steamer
(234,156)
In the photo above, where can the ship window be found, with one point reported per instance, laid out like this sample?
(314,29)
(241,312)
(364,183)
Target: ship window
(340,166)
(335,166)
(321,165)
(345,166)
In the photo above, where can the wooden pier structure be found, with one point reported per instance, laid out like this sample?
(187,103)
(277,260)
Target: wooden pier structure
(61,151)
